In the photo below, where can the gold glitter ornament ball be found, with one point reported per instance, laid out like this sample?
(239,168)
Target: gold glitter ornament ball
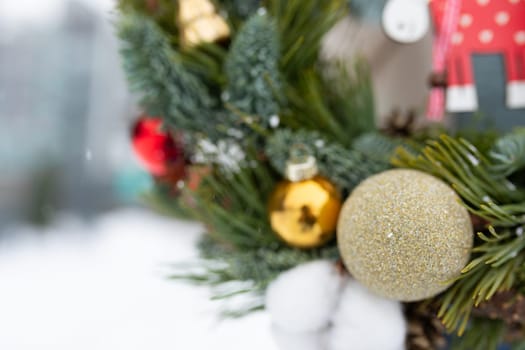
(404,234)
(304,213)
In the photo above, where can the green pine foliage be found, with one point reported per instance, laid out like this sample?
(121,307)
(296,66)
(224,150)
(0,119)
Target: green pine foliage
(239,10)
(376,146)
(346,167)
(302,25)
(469,172)
(252,70)
(334,101)
(240,253)
(508,153)
(155,70)
(482,333)
(233,272)
(163,12)
(233,206)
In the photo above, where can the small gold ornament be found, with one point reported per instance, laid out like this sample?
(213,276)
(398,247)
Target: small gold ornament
(199,23)
(304,208)
(404,234)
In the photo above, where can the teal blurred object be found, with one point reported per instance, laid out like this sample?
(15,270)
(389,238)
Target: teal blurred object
(130,183)
(367,10)
(490,79)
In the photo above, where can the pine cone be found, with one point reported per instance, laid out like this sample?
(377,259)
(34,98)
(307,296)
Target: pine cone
(425,330)
(399,124)
(508,306)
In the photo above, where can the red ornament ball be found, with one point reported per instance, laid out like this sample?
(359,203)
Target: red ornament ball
(158,152)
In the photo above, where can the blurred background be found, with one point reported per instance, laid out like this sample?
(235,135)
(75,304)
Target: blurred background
(64,109)
(83,265)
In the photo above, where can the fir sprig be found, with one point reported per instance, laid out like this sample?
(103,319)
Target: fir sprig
(301,41)
(468,171)
(482,333)
(346,167)
(508,153)
(239,10)
(233,206)
(168,89)
(233,272)
(337,103)
(163,12)
(252,69)
(494,268)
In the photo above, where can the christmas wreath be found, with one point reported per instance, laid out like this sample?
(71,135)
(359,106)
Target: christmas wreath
(311,211)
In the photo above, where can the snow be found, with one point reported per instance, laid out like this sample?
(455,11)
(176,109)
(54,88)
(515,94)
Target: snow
(101,285)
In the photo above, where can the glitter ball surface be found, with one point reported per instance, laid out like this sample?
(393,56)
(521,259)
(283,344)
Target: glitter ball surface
(404,234)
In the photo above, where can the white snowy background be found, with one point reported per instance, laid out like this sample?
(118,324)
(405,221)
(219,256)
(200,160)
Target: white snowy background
(101,284)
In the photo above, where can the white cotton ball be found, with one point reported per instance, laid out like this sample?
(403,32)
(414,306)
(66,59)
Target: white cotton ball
(315,340)
(303,299)
(366,321)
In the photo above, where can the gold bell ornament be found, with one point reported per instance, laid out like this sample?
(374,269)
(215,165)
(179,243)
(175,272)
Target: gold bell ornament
(199,23)
(304,208)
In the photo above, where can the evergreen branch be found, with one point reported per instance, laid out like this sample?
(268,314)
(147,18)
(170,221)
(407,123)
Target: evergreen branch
(206,61)
(520,345)
(345,167)
(350,97)
(495,267)
(301,40)
(337,103)
(252,69)
(162,12)
(482,333)
(483,140)
(469,172)
(233,206)
(168,89)
(508,153)
(223,264)
(235,272)
(239,10)
(478,284)
(377,146)
(260,265)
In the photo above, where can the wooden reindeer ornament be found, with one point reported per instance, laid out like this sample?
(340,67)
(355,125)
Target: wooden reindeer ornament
(464,28)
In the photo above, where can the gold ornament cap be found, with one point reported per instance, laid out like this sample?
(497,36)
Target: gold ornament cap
(301,166)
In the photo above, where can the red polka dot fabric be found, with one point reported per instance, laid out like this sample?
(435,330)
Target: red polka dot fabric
(484,26)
